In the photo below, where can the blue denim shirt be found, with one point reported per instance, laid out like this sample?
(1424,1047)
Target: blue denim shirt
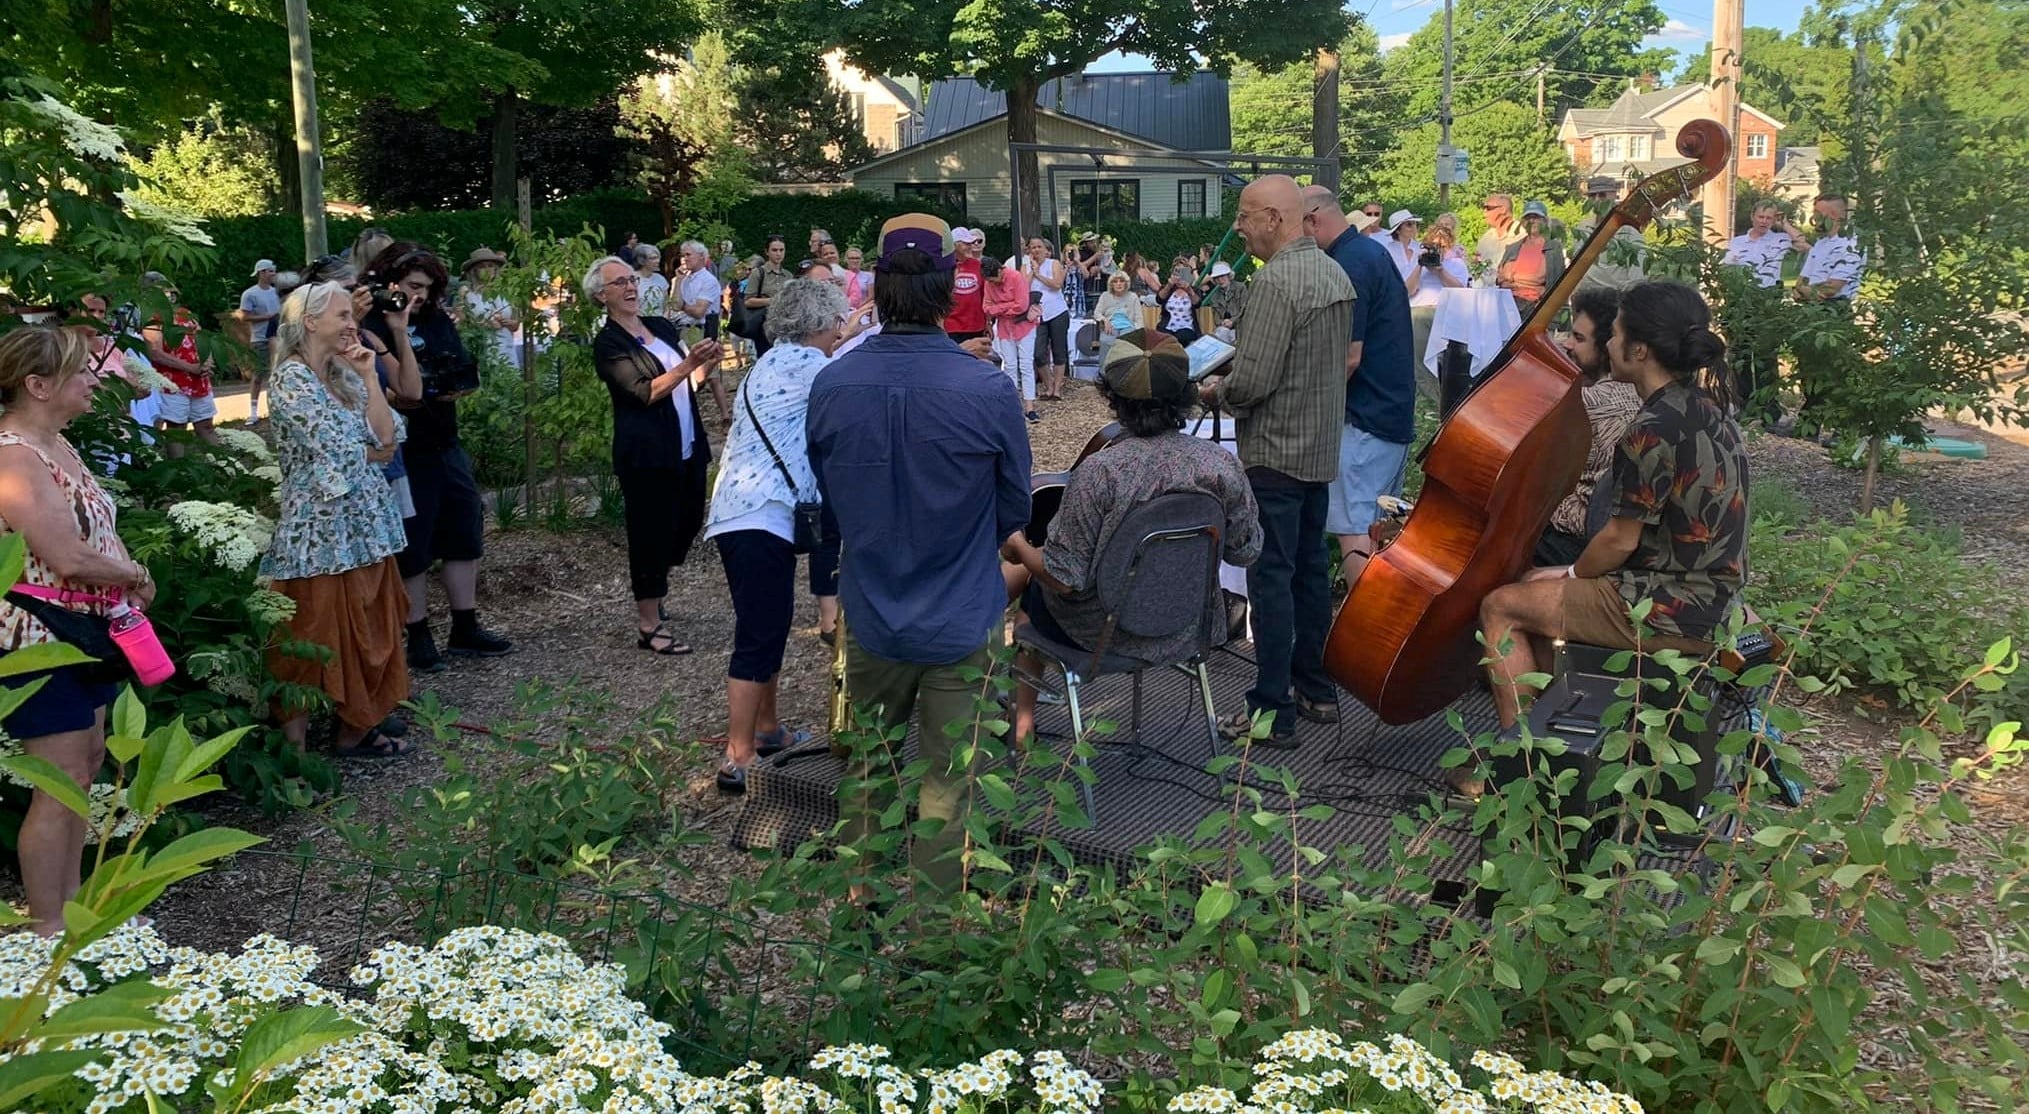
(1381,395)
(921,451)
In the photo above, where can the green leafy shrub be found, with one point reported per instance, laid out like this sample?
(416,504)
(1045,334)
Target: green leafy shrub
(1885,607)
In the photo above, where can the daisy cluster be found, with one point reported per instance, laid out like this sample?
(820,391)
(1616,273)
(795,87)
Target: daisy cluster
(1313,1071)
(234,536)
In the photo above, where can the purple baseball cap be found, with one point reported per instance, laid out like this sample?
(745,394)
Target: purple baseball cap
(918,232)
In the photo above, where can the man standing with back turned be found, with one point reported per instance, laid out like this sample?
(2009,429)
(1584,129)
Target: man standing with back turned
(1287,392)
(921,452)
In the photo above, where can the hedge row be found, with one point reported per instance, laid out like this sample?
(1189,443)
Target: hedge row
(852,217)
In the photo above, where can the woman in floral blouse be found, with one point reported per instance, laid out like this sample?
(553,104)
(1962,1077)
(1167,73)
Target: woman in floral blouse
(752,515)
(340,528)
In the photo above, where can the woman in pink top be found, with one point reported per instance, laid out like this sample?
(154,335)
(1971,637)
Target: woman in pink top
(1012,317)
(1533,264)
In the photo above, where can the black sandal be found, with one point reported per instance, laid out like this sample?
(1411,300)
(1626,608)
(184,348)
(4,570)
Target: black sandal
(375,745)
(671,644)
(732,780)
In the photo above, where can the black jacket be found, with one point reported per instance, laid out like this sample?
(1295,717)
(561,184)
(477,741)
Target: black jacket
(645,434)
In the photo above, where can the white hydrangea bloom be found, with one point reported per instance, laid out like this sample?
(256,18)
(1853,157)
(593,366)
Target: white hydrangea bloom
(246,443)
(233,535)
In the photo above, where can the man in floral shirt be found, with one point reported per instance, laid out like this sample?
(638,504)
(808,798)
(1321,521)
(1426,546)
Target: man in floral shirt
(1677,541)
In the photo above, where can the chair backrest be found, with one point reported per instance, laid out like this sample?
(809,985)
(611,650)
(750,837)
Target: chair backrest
(1159,573)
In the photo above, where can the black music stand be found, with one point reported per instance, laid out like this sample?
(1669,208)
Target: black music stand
(1454,377)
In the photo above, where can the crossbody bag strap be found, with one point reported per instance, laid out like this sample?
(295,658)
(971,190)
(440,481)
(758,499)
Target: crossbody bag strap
(747,400)
(60,595)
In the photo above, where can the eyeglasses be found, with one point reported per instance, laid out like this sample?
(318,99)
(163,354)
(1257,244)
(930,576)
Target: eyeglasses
(1490,206)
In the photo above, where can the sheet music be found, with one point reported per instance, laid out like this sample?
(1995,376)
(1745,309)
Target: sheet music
(1208,354)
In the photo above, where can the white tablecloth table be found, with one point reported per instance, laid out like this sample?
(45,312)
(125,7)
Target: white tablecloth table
(1232,578)
(1483,317)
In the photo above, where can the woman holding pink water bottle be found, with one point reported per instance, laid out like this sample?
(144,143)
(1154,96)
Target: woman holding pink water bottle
(75,561)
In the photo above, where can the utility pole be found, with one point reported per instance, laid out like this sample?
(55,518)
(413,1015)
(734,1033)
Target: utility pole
(1444,117)
(309,145)
(1539,96)
(1727,33)
(1324,117)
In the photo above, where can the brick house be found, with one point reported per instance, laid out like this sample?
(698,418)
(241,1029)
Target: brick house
(1636,136)
(886,107)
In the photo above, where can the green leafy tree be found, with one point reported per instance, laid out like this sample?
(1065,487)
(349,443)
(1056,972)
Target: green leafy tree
(1511,153)
(211,170)
(682,124)
(1017,47)
(1271,109)
(1587,51)
(1815,73)
(798,125)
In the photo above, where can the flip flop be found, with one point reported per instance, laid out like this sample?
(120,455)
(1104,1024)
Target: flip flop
(376,746)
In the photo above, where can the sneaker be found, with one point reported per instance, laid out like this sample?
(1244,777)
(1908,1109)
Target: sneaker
(1317,711)
(423,655)
(1033,417)
(478,642)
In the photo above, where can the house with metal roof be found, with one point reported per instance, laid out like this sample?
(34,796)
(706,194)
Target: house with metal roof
(1636,136)
(960,155)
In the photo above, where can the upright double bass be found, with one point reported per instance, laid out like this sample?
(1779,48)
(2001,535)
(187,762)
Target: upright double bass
(1403,640)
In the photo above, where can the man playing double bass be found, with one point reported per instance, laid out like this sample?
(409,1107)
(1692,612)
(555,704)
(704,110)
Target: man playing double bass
(1678,536)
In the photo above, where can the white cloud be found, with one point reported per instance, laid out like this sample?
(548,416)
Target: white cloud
(1677,31)
(1390,42)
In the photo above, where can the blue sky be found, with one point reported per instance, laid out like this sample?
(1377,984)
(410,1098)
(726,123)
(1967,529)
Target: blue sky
(1689,27)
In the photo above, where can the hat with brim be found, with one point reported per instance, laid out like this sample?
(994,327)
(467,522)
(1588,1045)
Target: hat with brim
(1147,365)
(1221,268)
(1089,238)
(1361,222)
(916,232)
(1400,217)
(480,257)
(1602,185)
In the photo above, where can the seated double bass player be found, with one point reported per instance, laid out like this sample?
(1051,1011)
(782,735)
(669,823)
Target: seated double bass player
(1677,540)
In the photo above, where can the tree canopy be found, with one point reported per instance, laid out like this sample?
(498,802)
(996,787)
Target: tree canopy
(1271,108)
(1587,51)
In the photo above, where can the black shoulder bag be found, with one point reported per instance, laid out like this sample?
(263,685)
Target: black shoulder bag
(807,530)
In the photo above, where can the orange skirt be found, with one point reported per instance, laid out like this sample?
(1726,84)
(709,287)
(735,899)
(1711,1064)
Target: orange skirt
(358,615)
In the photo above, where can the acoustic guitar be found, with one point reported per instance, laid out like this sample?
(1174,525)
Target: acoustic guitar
(1403,641)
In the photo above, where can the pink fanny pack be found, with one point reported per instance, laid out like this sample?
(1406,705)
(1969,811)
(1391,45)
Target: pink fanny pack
(129,630)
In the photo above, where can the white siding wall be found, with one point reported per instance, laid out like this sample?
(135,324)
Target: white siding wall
(979,159)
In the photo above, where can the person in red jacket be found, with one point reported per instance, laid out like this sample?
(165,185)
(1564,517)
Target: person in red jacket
(967,320)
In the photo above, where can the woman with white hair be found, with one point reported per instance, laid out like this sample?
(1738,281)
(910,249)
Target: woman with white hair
(654,287)
(660,452)
(766,472)
(335,542)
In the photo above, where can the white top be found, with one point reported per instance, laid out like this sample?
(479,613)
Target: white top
(1431,287)
(700,286)
(680,397)
(654,294)
(1484,317)
(751,493)
(1763,255)
(1179,307)
(1833,258)
(1403,254)
(507,341)
(1053,303)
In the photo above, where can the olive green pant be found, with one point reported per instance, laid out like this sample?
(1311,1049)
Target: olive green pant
(890,692)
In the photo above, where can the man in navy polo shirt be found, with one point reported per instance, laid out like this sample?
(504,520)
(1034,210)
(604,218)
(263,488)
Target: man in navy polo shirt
(922,454)
(1380,380)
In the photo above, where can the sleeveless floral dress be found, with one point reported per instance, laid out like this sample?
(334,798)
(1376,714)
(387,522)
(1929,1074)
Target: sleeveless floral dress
(92,509)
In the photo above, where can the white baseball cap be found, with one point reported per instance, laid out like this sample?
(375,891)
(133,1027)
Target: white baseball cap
(968,235)
(263,265)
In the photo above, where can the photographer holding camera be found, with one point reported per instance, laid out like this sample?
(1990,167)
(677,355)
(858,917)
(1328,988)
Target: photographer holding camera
(449,517)
(1440,265)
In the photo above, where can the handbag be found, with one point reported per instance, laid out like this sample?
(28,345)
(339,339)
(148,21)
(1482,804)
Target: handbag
(807,517)
(90,634)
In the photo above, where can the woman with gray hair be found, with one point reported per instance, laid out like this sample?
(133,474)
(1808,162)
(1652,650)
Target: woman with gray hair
(654,286)
(766,472)
(660,452)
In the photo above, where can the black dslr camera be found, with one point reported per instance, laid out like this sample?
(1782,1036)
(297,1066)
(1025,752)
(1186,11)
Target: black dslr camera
(387,299)
(1431,259)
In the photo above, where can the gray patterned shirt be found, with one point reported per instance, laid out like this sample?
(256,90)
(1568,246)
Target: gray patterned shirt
(1287,390)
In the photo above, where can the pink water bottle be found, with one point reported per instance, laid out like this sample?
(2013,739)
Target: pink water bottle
(135,636)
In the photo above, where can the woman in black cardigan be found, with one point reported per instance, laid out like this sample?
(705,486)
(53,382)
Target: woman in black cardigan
(660,452)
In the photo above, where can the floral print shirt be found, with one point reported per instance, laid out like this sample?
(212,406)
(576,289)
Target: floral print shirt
(338,512)
(1681,470)
(751,492)
(92,508)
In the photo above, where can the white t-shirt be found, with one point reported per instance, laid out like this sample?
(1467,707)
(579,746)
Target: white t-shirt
(1833,258)
(1763,256)
(1053,303)
(702,286)
(680,397)
(1403,254)
(1179,307)
(1431,288)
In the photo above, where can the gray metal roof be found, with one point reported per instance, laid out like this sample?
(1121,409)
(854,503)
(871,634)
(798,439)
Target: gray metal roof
(1629,112)
(1189,115)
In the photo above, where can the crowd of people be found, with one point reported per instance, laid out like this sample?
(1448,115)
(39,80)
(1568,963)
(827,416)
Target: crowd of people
(881,433)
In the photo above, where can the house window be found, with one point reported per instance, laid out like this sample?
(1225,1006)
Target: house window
(946,197)
(1609,148)
(1105,202)
(1190,198)
(1757,146)
(859,108)
(1637,147)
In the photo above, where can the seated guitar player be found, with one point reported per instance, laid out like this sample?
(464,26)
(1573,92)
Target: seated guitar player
(1677,540)
(1609,406)
(1146,381)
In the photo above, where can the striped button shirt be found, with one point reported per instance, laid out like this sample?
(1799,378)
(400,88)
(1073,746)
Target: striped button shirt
(1287,390)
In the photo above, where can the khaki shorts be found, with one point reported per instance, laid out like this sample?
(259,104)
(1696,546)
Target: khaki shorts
(1595,615)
